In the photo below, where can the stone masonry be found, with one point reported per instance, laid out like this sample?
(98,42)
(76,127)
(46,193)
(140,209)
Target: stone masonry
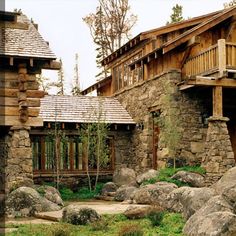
(219,156)
(19,164)
(140,99)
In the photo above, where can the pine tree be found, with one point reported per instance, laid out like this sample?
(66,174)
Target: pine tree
(60,82)
(177,14)
(110,27)
(76,85)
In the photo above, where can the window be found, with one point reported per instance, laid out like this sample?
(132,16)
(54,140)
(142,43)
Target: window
(72,154)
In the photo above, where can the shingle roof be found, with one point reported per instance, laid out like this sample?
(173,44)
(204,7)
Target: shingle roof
(83,109)
(23,41)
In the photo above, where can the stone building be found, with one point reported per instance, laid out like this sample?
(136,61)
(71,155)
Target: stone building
(23,54)
(178,84)
(66,120)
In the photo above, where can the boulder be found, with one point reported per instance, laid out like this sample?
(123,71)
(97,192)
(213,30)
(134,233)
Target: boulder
(124,176)
(229,194)
(124,193)
(227,180)
(26,201)
(154,193)
(218,224)
(191,178)
(138,212)
(108,187)
(51,194)
(146,175)
(188,200)
(76,215)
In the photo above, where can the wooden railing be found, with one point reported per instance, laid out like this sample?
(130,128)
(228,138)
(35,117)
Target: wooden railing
(230,55)
(217,58)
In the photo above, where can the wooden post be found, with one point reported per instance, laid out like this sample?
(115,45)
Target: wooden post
(217,102)
(222,57)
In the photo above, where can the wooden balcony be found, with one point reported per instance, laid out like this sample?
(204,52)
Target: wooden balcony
(216,61)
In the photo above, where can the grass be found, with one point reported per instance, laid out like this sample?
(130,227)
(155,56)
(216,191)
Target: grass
(110,225)
(166,173)
(82,193)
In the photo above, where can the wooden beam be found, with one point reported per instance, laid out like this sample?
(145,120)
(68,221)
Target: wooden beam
(14,121)
(227,83)
(217,101)
(198,29)
(11,61)
(222,57)
(9,101)
(14,111)
(31,62)
(14,93)
(53,65)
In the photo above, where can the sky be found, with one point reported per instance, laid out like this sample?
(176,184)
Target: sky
(60,23)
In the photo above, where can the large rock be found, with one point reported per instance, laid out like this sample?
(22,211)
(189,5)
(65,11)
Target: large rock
(227,180)
(188,200)
(191,178)
(214,224)
(51,194)
(26,201)
(146,176)
(108,187)
(229,194)
(218,214)
(154,194)
(124,176)
(138,212)
(76,215)
(124,193)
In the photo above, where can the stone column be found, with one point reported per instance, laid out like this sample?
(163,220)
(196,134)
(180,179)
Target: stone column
(219,156)
(19,164)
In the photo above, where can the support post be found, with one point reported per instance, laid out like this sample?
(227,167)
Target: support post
(222,57)
(217,101)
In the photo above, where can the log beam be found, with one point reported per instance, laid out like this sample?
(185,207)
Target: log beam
(217,93)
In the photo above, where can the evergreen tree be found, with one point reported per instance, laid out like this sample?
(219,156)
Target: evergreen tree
(110,27)
(177,14)
(60,82)
(76,85)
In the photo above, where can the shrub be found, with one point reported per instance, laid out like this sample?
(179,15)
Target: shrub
(131,230)
(166,173)
(156,218)
(100,225)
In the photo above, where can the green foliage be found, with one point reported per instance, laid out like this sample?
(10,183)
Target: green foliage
(166,173)
(169,121)
(131,230)
(171,225)
(82,193)
(156,218)
(177,14)
(100,225)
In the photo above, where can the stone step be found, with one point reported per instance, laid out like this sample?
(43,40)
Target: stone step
(52,216)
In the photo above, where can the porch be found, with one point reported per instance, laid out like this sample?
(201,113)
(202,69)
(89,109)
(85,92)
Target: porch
(216,62)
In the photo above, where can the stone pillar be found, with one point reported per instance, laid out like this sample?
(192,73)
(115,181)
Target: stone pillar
(19,164)
(219,156)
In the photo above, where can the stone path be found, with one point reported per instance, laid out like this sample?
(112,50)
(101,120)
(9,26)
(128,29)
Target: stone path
(101,207)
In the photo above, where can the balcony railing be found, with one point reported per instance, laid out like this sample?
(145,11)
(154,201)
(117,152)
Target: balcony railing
(217,58)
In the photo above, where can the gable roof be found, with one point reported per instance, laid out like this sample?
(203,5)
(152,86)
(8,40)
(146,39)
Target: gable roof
(158,31)
(205,25)
(20,38)
(83,109)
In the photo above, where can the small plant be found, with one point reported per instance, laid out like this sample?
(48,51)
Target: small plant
(156,218)
(61,231)
(100,225)
(166,173)
(131,230)
(67,194)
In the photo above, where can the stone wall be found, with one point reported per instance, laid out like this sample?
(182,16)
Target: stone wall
(18,156)
(150,95)
(219,156)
